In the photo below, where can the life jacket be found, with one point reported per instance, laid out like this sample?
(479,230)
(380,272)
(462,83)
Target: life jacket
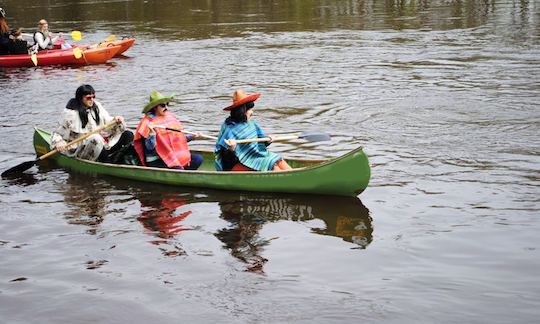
(45,35)
(171,146)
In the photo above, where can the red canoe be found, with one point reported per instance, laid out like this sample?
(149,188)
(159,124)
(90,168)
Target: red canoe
(62,57)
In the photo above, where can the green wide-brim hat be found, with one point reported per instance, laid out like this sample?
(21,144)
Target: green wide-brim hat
(156,98)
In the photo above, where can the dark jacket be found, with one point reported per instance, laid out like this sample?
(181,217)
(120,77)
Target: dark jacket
(17,46)
(4,40)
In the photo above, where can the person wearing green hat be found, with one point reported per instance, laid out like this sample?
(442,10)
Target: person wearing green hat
(161,148)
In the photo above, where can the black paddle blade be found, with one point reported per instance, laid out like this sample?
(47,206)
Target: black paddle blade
(19,168)
(315,136)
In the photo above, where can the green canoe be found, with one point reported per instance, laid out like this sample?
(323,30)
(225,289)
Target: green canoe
(347,175)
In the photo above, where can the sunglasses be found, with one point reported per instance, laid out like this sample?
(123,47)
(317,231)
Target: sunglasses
(89,97)
(163,105)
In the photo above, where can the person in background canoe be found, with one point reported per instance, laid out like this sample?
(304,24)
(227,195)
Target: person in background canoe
(4,33)
(17,45)
(161,148)
(230,156)
(82,115)
(43,38)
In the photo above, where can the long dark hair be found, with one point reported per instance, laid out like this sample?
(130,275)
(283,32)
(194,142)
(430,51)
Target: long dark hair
(238,114)
(4,28)
(78,105)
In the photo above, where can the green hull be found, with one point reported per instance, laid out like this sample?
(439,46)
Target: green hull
(347,175)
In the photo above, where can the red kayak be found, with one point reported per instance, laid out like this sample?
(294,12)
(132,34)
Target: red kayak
(62,57)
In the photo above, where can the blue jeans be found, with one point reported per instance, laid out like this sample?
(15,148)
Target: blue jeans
(194,164)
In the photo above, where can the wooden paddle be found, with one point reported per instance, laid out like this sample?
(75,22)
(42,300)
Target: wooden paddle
(28,164)
(308,136)
(186,132)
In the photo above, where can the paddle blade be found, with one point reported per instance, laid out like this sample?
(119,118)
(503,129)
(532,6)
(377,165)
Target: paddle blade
(314,137)
(33,57)
(110,38)
(19,168)
(76,35)
(77,53)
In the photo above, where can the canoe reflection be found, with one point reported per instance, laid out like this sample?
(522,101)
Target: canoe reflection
(344,217)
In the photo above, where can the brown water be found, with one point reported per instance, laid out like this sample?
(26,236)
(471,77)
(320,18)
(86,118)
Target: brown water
(442,95)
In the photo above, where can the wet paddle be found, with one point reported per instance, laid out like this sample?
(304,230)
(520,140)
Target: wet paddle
(308,136)
(28,164)
(186,132)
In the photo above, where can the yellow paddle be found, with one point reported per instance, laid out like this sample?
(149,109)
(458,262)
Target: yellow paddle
(110,38)
(76,35)
(77,52)
(33,57)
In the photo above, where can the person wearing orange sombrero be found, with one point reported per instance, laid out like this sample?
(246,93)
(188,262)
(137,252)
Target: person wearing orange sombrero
(159,147)
(254,156)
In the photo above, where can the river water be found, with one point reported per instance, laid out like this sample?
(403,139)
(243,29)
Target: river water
(442,95)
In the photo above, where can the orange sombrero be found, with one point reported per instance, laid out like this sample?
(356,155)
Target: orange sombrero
(239,98)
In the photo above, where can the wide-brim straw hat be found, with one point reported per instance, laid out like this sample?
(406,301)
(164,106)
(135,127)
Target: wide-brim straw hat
(155,99)
(239,98)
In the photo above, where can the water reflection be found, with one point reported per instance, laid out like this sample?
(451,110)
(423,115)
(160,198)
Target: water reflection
(87,203)
(205,19)
(159,215)
(21,179)
(163,211)
(343,217)
(28,177)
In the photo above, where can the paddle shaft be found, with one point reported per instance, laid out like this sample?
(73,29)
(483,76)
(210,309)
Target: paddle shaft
(80,139)
(267,139)
(75,35)
(187,132)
